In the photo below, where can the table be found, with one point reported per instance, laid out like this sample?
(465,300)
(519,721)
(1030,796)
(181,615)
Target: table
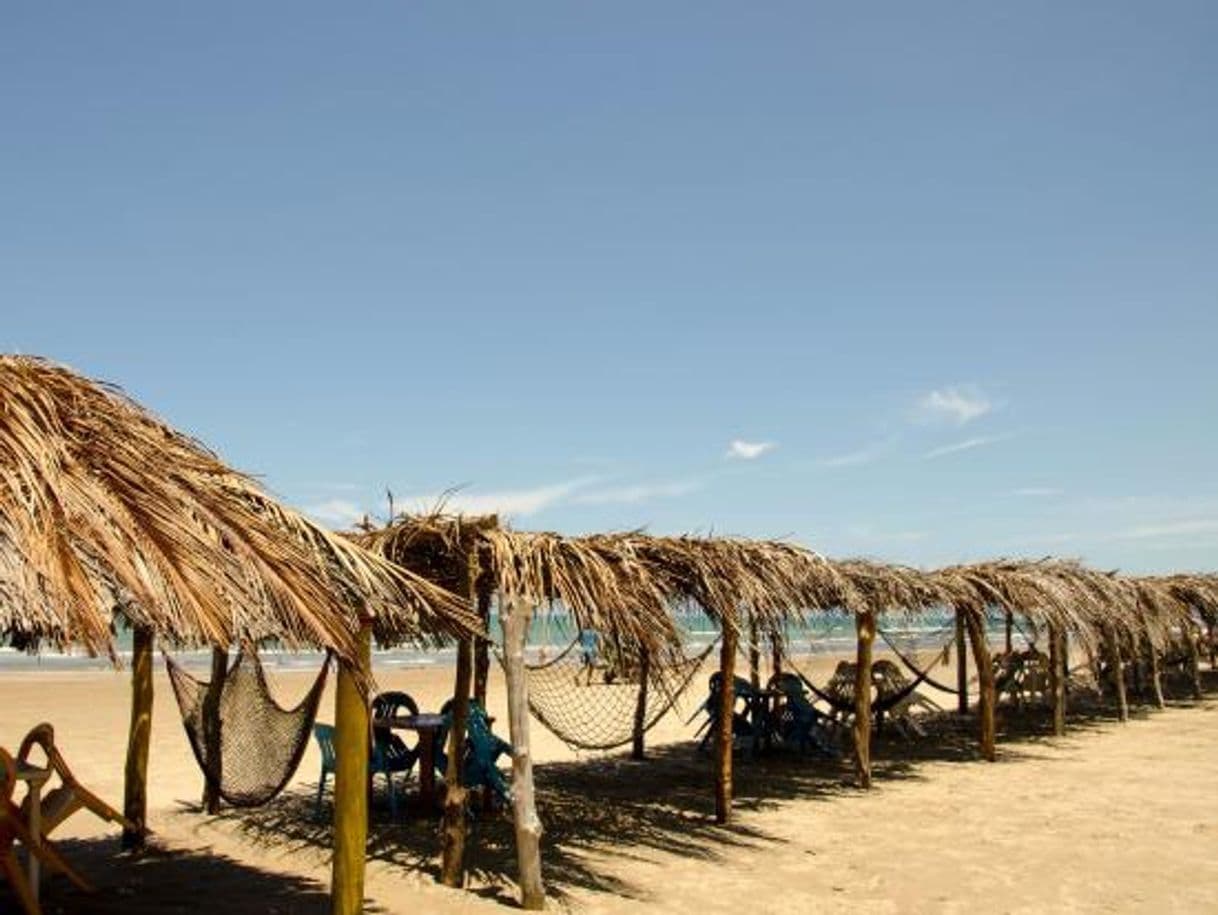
(35,779)
(428,727)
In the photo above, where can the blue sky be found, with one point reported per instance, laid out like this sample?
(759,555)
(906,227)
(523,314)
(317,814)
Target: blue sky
(928,282)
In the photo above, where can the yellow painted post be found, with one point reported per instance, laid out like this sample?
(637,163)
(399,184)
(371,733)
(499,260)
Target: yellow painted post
(351,739)
(135,792)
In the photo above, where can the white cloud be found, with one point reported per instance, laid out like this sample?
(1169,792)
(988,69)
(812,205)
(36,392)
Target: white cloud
(1169,529)
(967,445)
(855,458)
(957,405)
(867,533)
(339,512)
(1036,491)
(633,495)
(741,450)
(518,502)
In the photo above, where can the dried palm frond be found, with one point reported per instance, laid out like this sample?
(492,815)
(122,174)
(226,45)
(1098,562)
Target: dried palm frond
(103,506)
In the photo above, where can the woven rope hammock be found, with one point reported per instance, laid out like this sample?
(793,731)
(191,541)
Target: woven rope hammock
(260,743)
(595,710)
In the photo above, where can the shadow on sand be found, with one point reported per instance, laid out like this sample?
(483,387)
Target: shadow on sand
(595,811)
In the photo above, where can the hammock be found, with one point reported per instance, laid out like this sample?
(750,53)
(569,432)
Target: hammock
(260,742)
(922,670)
(588,714)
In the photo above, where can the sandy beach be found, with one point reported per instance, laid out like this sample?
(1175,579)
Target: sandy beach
(1111,818)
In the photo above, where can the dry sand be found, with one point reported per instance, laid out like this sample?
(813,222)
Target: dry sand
(1111,818)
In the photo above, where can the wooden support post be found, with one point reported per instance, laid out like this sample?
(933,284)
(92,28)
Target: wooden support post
(139,738)
(452,837)
(1117,672)
(482,653)
(1057,678)
(754,654)
(1156,674)
(352,735)
(515,614)
(961,667)
(775,654)
(1194,663)
(1209,641)
(1010,635)
(637,747)
(726,713)
(864,624)
(211,730)
(975,623)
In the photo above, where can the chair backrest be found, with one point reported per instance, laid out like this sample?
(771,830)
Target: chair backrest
(392,704)
(325,741)
(483,741)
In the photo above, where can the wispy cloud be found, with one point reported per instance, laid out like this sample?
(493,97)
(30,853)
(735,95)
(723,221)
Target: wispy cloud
(515,502)
(967,445)
(1191,527)
(957,405)
(337,512)
(634,495)
(869,534)
(1036,491)
(855,458)
(740,450)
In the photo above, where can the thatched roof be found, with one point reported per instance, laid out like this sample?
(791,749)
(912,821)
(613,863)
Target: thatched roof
(103,506)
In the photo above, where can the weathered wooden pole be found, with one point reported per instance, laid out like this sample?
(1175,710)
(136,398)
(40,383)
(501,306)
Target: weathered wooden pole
(1057,678)
(1116,670)
(974,621)
(726,713)
(1156,674)
(482,653)
(961,667)
(1010,633)
(637,743)
(864,624)
(1194,663)
(775,654)
(139,738)
(211,730)
(754,654)
(1209,641)
(351,738)
(515,614)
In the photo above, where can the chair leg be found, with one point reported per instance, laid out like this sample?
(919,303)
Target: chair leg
(16,879)
(393,798)
(321,790)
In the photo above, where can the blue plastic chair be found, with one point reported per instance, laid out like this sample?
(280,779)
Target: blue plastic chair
(483,747)
(329,760)
(389,754)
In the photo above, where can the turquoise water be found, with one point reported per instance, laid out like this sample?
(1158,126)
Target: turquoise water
(827,633)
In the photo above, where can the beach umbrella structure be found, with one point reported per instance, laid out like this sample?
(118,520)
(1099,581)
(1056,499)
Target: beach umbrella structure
(106,513)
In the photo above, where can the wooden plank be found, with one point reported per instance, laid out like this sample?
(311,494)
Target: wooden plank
(515,614)
(864,624)
(139,738)
(351,739)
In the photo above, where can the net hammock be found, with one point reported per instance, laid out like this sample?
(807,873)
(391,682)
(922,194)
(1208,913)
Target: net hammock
(918,650)
(594,708)
(260,742)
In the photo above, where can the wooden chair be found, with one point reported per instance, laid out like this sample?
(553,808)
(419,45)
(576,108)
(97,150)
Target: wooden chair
(13,829)
(70,795)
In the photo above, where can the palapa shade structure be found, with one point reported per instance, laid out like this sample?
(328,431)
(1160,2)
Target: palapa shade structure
(103,507)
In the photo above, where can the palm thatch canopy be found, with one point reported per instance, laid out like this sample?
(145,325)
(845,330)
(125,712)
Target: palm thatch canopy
(105,507)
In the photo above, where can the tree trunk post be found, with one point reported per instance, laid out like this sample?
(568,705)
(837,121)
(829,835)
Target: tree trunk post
(482,652)
(864,624)
(1156,674)
(452,839)
(515,614)
(139,738)
(1117,672)
(726,713)
(637,744)
(1209,641)
(754,654)
(775,654)
(1194,663)
(1010,633)
(353,730)
(1057,677)
(212,737)
(961,667)
(975,623)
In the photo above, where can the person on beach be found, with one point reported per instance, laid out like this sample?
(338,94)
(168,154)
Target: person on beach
(590,649)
